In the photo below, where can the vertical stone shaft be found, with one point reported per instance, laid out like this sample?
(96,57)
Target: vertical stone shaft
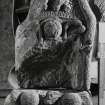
(90,32)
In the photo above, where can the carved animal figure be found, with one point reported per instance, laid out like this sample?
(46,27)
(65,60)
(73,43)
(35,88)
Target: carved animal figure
(50,42)
(53,51)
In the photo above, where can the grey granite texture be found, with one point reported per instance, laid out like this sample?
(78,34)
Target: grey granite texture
(1,101)
(53,52)
(6,41)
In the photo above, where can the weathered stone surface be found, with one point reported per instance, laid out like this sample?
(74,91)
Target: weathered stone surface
(53,52)
(51,97)
(70,99)
(98,7)
(29,98)
(6,42)
(48,62)
(12,97)
(103,17)
(100,4)
(48,97)
(32,97)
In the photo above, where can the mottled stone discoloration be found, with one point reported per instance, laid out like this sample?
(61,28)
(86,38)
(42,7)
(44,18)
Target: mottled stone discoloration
(6,42)
(54,52)
(47,97)
(45,56)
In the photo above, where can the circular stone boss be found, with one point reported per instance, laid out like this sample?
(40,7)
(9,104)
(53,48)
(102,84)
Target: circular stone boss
(52,28)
